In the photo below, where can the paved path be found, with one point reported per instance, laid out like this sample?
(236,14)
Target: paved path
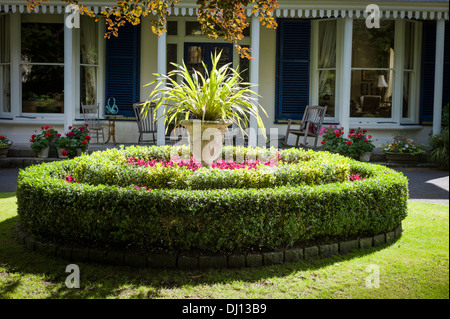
(425,185)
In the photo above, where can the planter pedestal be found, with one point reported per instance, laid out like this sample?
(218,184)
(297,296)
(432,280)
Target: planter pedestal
(206,139)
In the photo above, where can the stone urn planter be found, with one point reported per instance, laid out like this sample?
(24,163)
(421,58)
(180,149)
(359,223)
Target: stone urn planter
(365,157)
(206,139)
(4,151)
(403,158)
(44,152)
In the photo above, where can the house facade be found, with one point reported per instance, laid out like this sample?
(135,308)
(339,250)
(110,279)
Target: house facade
(386,73)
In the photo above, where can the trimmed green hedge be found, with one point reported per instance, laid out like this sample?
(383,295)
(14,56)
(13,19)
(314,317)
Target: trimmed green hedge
(213,220)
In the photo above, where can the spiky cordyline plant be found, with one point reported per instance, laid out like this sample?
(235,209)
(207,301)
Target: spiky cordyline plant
(220,94)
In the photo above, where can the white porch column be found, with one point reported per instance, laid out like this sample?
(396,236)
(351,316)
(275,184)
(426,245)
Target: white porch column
(254,76)
(346,74)
(15,70)
(69,81)
(162,69)
(438,75)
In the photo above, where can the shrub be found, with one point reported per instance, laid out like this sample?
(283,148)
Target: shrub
(53,203)
(438,149)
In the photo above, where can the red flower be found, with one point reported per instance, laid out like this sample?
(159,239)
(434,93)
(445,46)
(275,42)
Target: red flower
(64,153)
(31,140)
(33,136)
(84,142)
(87,137)
(323,142)
(338,135)
(370,136)
(70,127)
(2,136)
(48,134)
(86,124)
(81,128)
(46,127)
(349,142)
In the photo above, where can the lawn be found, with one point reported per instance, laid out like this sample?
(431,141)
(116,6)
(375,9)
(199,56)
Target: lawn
(413,267)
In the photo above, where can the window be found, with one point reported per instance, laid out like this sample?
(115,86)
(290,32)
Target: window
(372,70)
(5,87)
(198,53)
(88,60)
(42,67)
(326,65)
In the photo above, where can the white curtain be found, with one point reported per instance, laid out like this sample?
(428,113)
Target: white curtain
(5,87)
(327,51)
(89,55)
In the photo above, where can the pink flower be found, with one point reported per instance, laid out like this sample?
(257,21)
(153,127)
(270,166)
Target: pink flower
(70,127)
(366,140)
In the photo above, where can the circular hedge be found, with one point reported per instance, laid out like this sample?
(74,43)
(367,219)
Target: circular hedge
(137,198)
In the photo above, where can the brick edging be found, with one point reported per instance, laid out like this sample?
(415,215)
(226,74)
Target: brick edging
(202,261)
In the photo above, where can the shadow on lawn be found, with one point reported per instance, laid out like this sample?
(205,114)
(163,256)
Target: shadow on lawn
(104,281)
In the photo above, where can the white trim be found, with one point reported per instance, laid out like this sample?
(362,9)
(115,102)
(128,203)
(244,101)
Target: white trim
(397,90)
(300,9)
(438,76)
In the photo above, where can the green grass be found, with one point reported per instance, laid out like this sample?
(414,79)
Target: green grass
(414,266)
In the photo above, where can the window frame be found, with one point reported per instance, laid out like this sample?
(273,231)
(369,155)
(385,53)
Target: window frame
(39,18)
(3,66)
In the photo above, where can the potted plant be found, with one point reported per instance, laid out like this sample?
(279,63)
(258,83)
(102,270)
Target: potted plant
(206,103)
(358,145)
(76,141)
(63,145)
(5,144)
(41,142)
(403,150)
(361,146)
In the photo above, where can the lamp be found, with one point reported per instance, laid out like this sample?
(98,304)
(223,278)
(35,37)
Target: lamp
(382,83)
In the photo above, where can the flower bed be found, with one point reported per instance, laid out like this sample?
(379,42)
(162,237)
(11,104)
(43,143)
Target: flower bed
(105,199)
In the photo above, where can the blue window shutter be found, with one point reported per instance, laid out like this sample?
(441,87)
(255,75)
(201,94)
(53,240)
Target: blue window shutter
(123,68)
(292,69)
